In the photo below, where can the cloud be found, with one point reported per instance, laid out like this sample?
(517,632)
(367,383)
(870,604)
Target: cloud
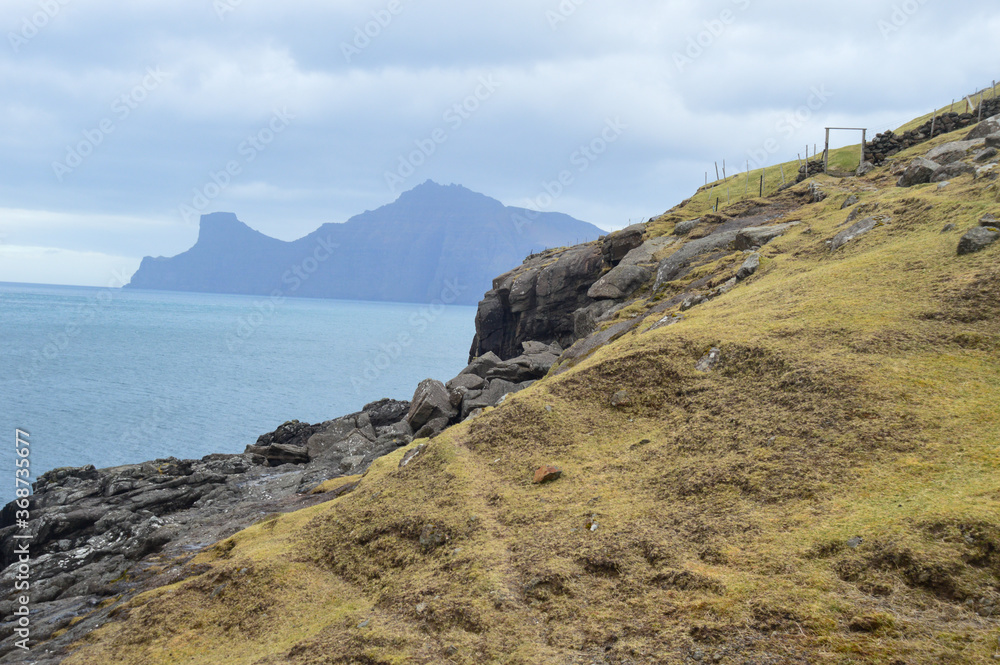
(564,68)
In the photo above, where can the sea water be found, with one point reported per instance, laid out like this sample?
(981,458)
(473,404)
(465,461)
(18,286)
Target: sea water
(110,376)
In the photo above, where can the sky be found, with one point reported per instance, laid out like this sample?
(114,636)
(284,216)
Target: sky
(122,122)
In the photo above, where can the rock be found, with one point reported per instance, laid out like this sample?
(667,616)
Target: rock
(948,227)
(684,228)
(757,236)
(692,301)
(534,348)
(668,320)
(849,201)
(673,266)
(816,194)
(619,283)
(993,141)
(620,398)
(857,230)
(432,536)
(386,412)
(285,453)
(855,542)
(430,401)
(480,365)
(648,252)
(918,172)
(432,428)
(986,155)
(951,171)
(749,266)
(987,172)
(977,239)
(467,381)
(943,185)
(586,319)
(864,169)
(989,220)
(496,390)
(537,300)
(547,474)
(524,368)
(616,245)
(984,129)
(709,360)
(724,288)
(950,152)
(411,455)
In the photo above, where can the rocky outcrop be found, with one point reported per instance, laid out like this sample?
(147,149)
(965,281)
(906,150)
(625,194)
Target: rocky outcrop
(857,230)
(757,236)
(622,281)
(977,239)
(918,172)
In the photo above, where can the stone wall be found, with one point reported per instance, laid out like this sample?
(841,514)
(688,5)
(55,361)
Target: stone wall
(889,143)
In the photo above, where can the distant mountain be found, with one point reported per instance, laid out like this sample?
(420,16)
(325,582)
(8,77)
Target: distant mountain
(431,240)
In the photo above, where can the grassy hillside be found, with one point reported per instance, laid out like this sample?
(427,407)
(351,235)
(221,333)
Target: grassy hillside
(829,493)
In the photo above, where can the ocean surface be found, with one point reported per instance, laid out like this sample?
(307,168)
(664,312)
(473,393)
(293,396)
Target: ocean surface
(110,376)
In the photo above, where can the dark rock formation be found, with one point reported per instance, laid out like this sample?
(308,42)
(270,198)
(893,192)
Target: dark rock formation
(434,244)
(888,144)
(977,239)
(918,172)
(857,230)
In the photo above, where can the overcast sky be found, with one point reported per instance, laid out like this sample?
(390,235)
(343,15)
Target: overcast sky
(121,122)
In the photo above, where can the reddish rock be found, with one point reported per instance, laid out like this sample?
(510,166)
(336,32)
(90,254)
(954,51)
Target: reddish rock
(547,474)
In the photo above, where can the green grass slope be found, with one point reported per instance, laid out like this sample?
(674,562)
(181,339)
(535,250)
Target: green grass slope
(829,493)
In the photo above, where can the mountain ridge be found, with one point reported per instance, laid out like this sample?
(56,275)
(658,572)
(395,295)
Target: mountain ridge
(404,251)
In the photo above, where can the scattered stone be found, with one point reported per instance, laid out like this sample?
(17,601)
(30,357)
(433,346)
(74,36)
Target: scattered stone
(667,320)
(758,236)
(620,398)
(432,536)
(864,169)
(684,228)
(815,193)
(412,455)
(987,172)
(943,185)
(984,129)
(977,239)
(952,171)
(431,401)
(855,231)
(918,172)
(693,301)
(989,220)
(948,227)
(993,140)
(619,283)
(849,201)
(709,361)
(854,542)
(616,245)
(950,152)
(749,266)
(547,474)
(725,288)
(986,155)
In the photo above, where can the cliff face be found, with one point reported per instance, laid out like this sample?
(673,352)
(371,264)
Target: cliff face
(434,243)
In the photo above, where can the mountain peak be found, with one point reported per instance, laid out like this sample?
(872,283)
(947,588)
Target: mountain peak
(220,226)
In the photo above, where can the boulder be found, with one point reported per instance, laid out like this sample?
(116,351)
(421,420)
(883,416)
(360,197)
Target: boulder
(430,401)
(671,267)
(491,396)
(849,201)
(432,428)
(989,219)
(993,140)
(547,474)
(482,364)
(467,381)
(864,169)
(757,236)
(586,320)
(857,230)
(918,172)
(386,412)
(951,152)
(816,194)
(984,129)
(524,368)
(709,360)
(648,252)
(619,283)
(977,239)
(986,155)
(616,245)
(749,266)
(684,228)
(952,170)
